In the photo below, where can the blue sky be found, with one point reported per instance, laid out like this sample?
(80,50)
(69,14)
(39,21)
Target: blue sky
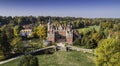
(74,8)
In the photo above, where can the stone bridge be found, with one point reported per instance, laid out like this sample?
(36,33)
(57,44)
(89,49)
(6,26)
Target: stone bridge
(49,49)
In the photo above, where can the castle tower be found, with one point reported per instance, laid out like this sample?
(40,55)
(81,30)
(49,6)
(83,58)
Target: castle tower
(69,35)
(51,36)
(50,32)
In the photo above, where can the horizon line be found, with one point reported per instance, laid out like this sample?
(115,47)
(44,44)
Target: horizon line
(52,16)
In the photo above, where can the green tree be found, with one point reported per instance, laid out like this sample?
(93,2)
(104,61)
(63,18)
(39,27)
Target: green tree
(91,44)
(4,44)
(16,40)
(8,30)
(108,53)
(84,40)
(77,42)
(19,20)
(98,36)
(16,31)
(38,19)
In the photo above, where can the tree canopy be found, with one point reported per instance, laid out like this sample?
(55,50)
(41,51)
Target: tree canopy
(42,32)
(108,53)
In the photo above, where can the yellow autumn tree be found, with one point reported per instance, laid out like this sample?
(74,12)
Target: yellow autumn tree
(108,52)
(42,32)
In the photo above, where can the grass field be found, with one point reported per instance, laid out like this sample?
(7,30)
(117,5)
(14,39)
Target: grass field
(88,28)
(73,58)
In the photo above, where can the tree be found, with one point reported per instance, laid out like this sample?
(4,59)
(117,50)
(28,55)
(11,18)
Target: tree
(42,32)
(16,40)
(38,19)
(98,36)
(108,53)
(16,31)
(4,44)
(19,20)
(91,44)
(12,22)
(28,60)
(8,30)
(77,42)
(84,40)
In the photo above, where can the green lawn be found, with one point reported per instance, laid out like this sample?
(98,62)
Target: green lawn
(88,28)
(73,58)
(11,63)
(96,27)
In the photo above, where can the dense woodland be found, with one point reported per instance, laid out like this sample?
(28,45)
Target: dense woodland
(108,33)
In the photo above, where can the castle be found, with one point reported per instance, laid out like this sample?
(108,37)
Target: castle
(60,33)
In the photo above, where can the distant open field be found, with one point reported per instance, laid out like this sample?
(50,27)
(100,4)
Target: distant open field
(88,28)
(73,58)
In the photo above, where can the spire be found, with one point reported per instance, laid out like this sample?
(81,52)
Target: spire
(49,21)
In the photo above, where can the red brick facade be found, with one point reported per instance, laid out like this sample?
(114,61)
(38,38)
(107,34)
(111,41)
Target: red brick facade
(60,33)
